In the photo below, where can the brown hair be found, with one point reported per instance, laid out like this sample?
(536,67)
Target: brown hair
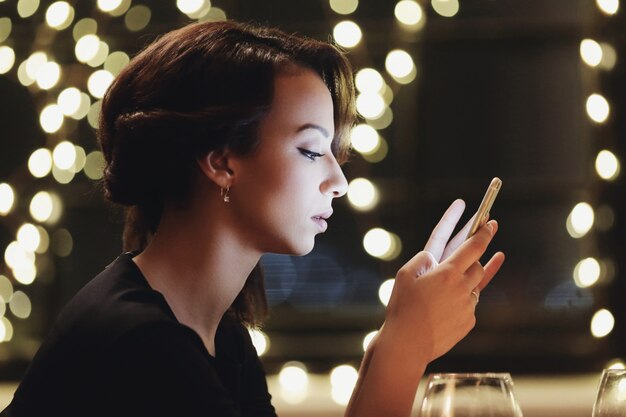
(199,88)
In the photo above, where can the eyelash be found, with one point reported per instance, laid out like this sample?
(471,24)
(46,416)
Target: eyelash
(310,154)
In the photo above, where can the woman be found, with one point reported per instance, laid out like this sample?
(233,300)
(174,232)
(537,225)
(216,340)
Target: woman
(223,141)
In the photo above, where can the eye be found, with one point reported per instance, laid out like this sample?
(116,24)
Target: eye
(310,154)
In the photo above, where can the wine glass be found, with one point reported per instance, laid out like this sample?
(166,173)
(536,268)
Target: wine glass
(470,395)
(611,399)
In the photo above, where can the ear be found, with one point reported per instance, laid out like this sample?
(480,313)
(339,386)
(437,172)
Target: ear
(214,166)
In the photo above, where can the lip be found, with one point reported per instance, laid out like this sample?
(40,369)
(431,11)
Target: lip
(320,219)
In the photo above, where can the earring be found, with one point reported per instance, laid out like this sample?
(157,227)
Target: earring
(224,194)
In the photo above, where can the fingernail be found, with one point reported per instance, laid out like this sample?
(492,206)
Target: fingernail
(490,226)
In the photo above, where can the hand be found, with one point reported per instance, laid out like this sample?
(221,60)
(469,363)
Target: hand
(431,307)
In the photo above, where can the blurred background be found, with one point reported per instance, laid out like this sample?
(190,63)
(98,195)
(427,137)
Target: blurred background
(450,94)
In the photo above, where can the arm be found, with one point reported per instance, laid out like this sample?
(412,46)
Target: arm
(430,310)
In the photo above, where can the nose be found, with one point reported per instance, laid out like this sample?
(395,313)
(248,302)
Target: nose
(336,183)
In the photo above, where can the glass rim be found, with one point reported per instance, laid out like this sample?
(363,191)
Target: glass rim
(459,375)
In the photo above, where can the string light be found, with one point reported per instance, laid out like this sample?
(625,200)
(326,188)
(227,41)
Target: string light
(260,341)
(368,339)
(587,272)
(137,18)
(7,59)
(608,7)
(294,382)
(446,8)
(384,291)
(344,6)
(607,165)
(347,34)
(602,323)
(362,194)
(598,108)
(5,28)
(409,12)
(580,220)
(343,379)
(591,52)
(27,8)
(59,15)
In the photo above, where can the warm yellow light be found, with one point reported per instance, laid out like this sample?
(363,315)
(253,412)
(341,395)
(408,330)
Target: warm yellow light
(7,328)
(342,381)
(399,63)
(598,108)
(344,6)
(116,61)
(189,6)
(5,28)
(22,75)
(382,122)
(94,165)
(362,194)
(590,52)
(616,364)
(44,240)
(48,75)
(409,12)
(580,220)
(80,160)
(64,155)
(122,8)
(294,382)
(86,26)
(137,18)
(60,15)
(34,63)
(51,118)
(609,56)
(28,237)
(15,256)
(385,290)
(93,116)
(446,8)
(27,8)
(63,176)
(45,207)
(370,105)
(83,107)
(7,198)
(101,55)
(347,34)
(215,14)
(368,80)
(608,7)
(109,5)
(20,305)
(2,331)
(7,59)
(87,48)
(607,165)
(98,83)
(69,100)
(260,341)
(368,339)
(587,272)
(602,323)
(40,163)
(6,289)
(62,243)
(364,138)
(382,244)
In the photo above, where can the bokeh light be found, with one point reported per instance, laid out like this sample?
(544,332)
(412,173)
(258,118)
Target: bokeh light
(598,108)
(60,15)
(368,80)
(45,207)
(94,165)
(189,6)
(370,105)
(609,56)
(6,289)
(62,243)
(7,198)
(344,6)
(587,272)
(368,339)
(382,244)
(7,59)
(364,138)
(69,100)
(5,28)
(260,341)
(116,61)
(101,55)
(343,379)
(51,118)
(409,12)
(48,75)
(87,48)
(28,237)
(385,290)
(40,163)
(20,305)
(64,155)
(445,8)
(109,5)
(607,165)
(602,323)
(400,66)
(294,382)
(27,8)
(137,18)
(86,26)
(609,7)
(362,194)
(347,34)
(98,83)
(580,220)
(591,52)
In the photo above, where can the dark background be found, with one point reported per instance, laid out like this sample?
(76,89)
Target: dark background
(500,91)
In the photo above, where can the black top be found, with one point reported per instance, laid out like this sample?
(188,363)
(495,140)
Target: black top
(117,350)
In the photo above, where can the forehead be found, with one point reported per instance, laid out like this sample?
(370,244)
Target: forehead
(300,97)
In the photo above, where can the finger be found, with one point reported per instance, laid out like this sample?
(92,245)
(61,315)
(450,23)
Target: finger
(459,238)
(420,264)
(442,232)
(491,268)
(472,249)
(474,276)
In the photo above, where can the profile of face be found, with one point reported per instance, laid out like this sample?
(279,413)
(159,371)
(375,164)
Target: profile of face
(283,190)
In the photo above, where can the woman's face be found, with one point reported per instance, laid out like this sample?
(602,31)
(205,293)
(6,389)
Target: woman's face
(283,190)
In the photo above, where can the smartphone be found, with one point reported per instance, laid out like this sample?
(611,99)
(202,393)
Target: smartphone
(483,211)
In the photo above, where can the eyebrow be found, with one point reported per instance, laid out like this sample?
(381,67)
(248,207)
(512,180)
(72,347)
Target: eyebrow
(314,126)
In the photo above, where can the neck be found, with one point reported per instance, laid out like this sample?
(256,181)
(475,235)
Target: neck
(200,266)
